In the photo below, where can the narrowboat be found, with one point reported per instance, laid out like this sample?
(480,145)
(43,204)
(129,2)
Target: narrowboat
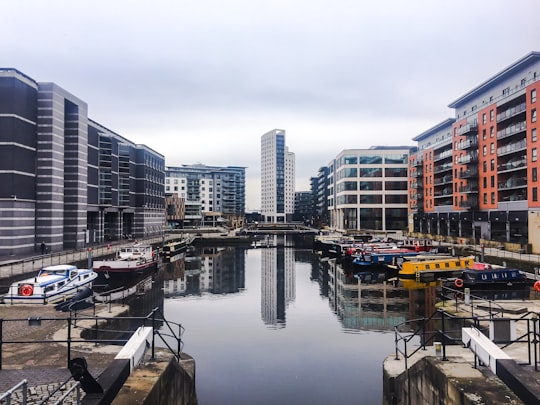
(426,270)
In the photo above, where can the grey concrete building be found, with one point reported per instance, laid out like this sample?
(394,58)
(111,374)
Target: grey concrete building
(67,180)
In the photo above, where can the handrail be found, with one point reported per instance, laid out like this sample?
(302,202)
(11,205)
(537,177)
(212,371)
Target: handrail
(7,395)
(71,324)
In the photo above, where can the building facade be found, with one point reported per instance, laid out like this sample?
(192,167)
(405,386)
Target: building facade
(210,193)
(476,175)
(277,178)
(368,189)
(67,180)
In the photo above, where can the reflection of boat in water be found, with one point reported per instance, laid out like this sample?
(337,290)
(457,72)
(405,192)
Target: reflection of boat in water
(264,243)
(371,277)
(52,284)
(410,284)
(128,259)
(175,250)
(428,270)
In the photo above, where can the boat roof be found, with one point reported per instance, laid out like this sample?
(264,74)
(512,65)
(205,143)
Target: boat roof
(59,267)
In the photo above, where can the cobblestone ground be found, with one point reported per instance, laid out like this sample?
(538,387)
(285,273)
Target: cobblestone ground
(42,363)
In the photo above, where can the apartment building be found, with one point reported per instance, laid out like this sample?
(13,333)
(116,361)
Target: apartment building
(476,175)
(211,194)
(68,181)
(277,178)
(368,189)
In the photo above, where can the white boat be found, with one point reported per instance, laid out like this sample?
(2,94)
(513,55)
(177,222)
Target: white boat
(128,259)
(51,285)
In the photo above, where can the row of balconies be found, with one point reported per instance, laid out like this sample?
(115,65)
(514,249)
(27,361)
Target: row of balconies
(468,158)
(513,165)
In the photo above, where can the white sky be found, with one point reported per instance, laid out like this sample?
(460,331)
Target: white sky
(201,81)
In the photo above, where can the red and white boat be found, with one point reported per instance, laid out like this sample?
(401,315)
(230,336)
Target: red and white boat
(128,259)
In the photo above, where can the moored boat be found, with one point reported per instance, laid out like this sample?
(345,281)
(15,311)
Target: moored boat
(52,284)
(172,251)
(128,259)
(425,270)
(489,278)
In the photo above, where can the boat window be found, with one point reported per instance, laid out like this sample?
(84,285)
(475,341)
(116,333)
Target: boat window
(60,284)
(49,288)
(427,266)
(437,265)
(446,264)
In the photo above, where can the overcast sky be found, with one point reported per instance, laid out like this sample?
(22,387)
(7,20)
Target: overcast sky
(201,81)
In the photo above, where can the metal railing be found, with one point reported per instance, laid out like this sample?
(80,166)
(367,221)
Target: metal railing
(155,319)
(6,396)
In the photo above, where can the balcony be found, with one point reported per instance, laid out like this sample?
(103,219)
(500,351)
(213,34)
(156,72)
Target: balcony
(512,148)
(417,163)
(512,183)
(469,173)
(443,155)
(417,185)
(511,112)
(443,193)
(417,173)
(512,130)
(469,143)
(469,129)
(443,180)
(470,203)
(514,164)
(442,168)
(469,188)
(471,157)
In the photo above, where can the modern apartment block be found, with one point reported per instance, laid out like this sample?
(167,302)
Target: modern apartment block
(368,189)
(277,178)
(319,190)
(476,175)
(210,193)
(67,180)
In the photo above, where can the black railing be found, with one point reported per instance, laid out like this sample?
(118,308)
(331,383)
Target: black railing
(155,319)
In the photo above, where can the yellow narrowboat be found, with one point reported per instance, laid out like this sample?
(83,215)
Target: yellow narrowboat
(434,269)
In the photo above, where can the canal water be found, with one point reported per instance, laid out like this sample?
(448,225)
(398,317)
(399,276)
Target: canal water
(279,326)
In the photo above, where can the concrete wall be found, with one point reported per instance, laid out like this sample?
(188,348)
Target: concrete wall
(433,381)
(163,381)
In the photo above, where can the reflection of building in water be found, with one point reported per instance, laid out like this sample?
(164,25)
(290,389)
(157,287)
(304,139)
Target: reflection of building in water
(215,270)
(278,284)
(373,306)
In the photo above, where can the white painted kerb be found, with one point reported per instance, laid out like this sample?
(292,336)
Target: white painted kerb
(136,346)
(487,351)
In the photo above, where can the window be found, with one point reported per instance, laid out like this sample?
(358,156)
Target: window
(483,118)
(491,132)
(493,198)
(533,96)
(534,154)
(534,174)
(492,164)
(492,181)
(484,150)
(485,182)
(491,115)
(535,194)
(506,91)
(484,165)
(484,134)
(492,148)
(533,115)
(533,135)
(485,198)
